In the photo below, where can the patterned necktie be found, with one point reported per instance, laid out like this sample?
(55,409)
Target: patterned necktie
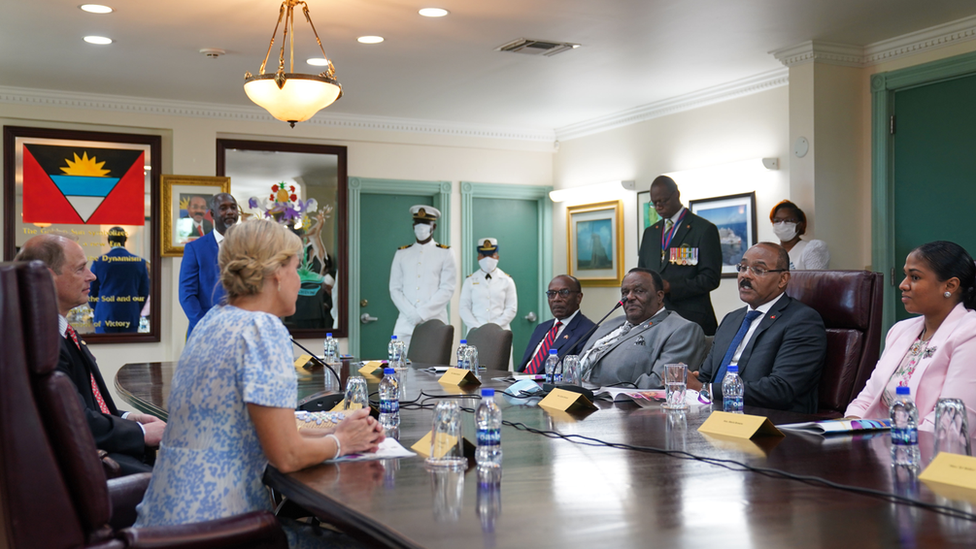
(736,341)
(540,358)
(602,345)
(668,224)
(98,394)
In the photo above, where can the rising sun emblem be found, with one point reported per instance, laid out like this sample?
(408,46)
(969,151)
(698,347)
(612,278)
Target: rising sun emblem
(85,166)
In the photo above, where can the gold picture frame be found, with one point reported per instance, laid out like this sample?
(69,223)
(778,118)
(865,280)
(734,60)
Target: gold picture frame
(595,243)
(185,190)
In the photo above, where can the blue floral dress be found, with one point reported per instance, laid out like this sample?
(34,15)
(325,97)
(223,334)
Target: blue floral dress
(210,461)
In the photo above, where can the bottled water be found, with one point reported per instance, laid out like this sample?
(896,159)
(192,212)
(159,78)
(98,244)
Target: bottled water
(462,358)
(904,429)
(553,374)
(330,356)
(401,354)
(488,419)
(733,390)
(393,351)
(389,401)
(471,359)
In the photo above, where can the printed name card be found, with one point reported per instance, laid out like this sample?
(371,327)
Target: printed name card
(445,443)
(301,361)
(562,400)
(371,367)
(458,376)
(341,406)
(951,469)
(738,425)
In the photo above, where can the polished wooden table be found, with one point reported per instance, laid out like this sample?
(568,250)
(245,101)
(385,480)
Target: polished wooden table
(674,488)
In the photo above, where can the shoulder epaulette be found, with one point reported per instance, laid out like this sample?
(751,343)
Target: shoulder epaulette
(404,247)
(470,275)
(443,246)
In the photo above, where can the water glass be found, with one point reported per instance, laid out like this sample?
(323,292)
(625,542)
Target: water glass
(471,354)
(571,370)
(446,441)
(448,488)
(357,394)
(675,384)
(951,427)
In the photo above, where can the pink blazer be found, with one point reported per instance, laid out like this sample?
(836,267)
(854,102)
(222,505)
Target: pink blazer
(949,373)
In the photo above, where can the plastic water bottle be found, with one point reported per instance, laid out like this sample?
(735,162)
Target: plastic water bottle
(392,351)
(904,429)
(553,374)
(389,401)
(733,390)
(488,419)
(401,349)
(471,360)
(330,355)
(462,355)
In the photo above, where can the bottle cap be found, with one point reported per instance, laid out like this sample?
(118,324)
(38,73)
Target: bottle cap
(553,351)
(388,371)
(487,393)
(392,337)
(902,390)
(329,334)
(463,341)
(733,369)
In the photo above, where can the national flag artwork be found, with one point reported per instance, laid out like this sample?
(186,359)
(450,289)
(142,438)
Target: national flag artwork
(84,185)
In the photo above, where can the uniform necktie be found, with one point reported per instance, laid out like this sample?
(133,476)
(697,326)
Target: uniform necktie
(98,394)
(736,341)
(543,353)
(668,224)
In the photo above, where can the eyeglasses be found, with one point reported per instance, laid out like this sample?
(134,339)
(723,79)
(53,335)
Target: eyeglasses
(790,220)
(662,201)
(758,271)
(551,294)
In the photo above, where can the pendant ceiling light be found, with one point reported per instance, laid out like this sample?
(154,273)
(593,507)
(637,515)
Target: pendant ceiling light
(290,96)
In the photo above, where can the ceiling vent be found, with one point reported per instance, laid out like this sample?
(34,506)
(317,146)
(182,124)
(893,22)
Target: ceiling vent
(537,47)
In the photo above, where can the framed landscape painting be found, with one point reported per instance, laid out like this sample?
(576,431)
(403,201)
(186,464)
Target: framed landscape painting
(594,241)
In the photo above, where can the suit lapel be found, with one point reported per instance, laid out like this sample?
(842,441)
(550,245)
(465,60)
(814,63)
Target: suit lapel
(655,236)
(938,339)
(638,331)
(772,316)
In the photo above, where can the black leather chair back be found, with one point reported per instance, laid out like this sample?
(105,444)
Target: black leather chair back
(494,346)
(431,343)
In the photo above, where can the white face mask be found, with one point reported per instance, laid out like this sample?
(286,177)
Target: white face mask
(784,231)
(422,230)
(488,264)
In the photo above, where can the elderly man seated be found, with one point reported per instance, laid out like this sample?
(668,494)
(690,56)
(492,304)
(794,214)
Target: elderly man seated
(635,347)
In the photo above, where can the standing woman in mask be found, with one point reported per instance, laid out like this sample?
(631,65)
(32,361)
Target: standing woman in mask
(789,223)
(488,294)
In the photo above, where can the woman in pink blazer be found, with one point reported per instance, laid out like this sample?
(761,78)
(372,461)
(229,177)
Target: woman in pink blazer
(933,354)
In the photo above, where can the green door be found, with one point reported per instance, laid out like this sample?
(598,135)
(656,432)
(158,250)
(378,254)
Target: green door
(515,223)
(385,226)
(934,169)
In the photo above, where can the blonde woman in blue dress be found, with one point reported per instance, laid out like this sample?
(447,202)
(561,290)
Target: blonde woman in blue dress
(234,393)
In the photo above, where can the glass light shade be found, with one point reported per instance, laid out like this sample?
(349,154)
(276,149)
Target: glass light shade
(301,96)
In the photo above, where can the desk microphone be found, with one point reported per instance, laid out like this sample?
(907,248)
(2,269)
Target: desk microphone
(589,332)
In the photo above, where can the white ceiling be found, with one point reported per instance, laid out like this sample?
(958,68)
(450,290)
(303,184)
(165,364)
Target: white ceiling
(634,52)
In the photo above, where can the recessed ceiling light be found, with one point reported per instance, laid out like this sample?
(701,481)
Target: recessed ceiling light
(95,8)
(99,40)
(370,39)
(318,61)
(434,12)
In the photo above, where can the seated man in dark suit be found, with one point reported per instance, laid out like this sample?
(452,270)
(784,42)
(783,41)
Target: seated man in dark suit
(635,347)
(126,436)
(565,295)
(781,348)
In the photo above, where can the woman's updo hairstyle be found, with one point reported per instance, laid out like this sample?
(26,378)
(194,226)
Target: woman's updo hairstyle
(251,252)
(800,216)
(948,260)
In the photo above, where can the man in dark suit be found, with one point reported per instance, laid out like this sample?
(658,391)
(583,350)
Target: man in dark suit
(565,295)
(200,287)
(120,288)
(778,343)
(126,436)
(686,251)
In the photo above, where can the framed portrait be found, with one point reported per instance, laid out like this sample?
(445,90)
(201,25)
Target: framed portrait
(646,214)
(304,187)
(594,241)
(735,217)
(185,209)
(98,189)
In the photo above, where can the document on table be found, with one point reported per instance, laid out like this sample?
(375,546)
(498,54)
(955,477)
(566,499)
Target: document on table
(641,397)
(388,449)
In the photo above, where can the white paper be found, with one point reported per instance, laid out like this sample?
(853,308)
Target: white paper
(390,448)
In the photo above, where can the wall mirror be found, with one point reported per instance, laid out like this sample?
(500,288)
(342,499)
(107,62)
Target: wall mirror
(98,189)
(304,187)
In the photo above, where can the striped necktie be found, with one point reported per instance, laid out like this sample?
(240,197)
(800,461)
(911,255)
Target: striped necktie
(98,394)
(540,358)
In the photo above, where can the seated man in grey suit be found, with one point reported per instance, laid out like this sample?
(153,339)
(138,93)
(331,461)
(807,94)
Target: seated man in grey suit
(635,347)
(778,343)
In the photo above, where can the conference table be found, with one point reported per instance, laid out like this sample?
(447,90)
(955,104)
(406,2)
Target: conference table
(620,476)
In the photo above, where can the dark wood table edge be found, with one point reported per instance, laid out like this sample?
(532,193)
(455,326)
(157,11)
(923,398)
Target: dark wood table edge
(356,525)
(138,403)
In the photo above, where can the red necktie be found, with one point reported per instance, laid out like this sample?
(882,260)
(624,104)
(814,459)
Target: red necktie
(98,394)
(540,358)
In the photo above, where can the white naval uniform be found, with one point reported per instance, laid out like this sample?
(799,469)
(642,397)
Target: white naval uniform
(422,281)
(485,300)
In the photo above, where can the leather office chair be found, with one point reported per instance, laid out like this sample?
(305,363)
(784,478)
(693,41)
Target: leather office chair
(61,499)
(494,346)
(850,304)
(431,343)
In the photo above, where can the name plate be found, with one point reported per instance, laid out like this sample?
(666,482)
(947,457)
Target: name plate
(341,406)
(952,470)
(302,361)
(445,443)
(738,425)
(371,367)
(458,376)
(562,400)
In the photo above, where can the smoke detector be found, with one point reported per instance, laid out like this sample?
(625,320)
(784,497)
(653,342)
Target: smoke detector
(537,47)
(212,53)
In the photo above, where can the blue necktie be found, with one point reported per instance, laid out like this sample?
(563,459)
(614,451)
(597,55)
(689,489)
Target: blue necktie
(736,341)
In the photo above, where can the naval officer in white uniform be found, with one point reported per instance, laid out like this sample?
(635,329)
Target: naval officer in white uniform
(488,295)
(422,277)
